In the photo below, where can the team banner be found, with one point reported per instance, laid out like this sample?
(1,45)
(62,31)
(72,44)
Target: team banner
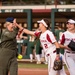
(13,10)
(66,10)
(24,10)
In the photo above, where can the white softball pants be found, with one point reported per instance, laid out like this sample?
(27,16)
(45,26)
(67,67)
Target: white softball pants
(51,58)
(70,62)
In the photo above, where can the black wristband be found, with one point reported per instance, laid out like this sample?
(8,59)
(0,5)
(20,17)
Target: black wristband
(57,50)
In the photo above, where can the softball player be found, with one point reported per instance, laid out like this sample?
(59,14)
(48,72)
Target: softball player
(49,44)
(65,39)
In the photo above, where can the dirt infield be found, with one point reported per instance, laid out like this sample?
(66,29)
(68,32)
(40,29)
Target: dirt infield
(32,72)
(23,71)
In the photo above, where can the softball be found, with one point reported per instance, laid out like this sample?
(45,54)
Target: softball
(20,56)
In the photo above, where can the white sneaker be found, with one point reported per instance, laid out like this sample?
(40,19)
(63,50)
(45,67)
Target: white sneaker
(38,62)
(45,63)
(31,60)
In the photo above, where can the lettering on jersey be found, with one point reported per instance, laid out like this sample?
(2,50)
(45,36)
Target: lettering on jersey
(45,45)
(74,39)
(43,41)
(67,39)
(62,41)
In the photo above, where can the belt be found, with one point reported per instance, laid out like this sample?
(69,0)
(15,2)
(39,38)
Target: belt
(70,52)
(53,52)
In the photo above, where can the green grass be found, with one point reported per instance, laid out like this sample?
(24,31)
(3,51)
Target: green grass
(29,65)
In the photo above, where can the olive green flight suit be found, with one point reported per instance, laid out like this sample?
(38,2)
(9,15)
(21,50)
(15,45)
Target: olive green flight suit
(8,53)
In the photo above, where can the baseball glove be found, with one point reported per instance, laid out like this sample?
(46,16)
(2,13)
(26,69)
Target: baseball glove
(58,64)
(72,45)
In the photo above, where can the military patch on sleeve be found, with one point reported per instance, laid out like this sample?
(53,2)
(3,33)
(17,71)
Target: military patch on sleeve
(6,33)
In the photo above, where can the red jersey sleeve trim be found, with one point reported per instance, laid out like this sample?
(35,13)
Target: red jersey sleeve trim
(48,38)
(63,39)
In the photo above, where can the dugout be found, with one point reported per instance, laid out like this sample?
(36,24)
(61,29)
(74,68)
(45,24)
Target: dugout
(31,16)
(28,17)
(22,16)
(60,16)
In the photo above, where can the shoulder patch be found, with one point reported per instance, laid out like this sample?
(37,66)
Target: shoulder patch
(6,33)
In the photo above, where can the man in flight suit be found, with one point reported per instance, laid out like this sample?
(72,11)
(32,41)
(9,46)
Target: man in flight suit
(8,49)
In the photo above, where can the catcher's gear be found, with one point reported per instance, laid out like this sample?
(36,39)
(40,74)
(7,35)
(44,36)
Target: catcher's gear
(58,64)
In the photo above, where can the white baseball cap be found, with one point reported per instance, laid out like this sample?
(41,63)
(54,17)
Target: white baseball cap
(71,21)
(42,21)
